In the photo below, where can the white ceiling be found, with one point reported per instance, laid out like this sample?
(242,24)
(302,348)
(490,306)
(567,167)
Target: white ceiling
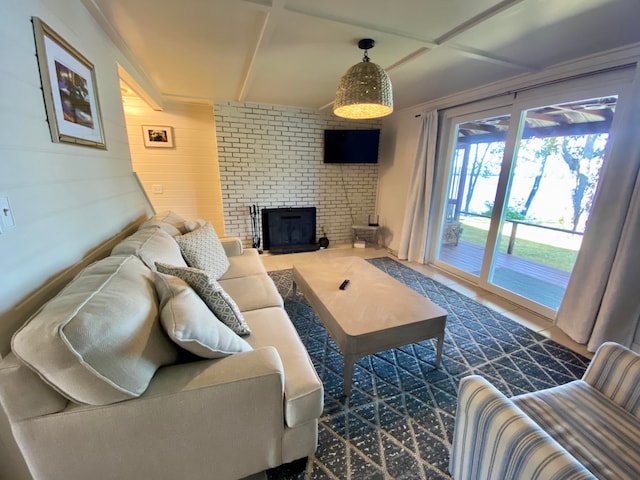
(293,52)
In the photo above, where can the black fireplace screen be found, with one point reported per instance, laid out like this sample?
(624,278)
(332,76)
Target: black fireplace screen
(289,230)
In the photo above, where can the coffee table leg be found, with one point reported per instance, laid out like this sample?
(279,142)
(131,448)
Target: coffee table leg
(349,361)
(295,289)
(439,351)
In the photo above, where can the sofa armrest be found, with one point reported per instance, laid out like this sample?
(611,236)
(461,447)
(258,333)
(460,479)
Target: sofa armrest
(208,418)
(494,439)
(615,372)
(232,246)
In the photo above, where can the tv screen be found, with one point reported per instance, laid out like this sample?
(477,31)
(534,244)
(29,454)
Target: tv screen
(351,146)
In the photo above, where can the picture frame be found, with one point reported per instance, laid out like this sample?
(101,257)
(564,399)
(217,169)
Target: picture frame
(157,136)
(69,88)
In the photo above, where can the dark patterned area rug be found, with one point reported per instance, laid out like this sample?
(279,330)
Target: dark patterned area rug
(398,422)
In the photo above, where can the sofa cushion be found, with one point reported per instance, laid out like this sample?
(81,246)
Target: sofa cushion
(190,323)
(253,292)
(202,249)
(599,433)
(303,391)
(99,340)
(170,222)
(213,295)
(151,245)
(248,263)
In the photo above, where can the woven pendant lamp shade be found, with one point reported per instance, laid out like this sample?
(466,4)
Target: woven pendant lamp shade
(365,90)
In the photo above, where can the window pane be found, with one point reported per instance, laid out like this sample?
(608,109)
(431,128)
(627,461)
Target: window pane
(556,171)
(473,180)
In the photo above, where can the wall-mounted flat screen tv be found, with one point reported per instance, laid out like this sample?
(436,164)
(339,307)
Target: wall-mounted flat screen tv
(351,146)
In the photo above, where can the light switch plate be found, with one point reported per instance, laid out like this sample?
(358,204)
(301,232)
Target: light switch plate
(6,215)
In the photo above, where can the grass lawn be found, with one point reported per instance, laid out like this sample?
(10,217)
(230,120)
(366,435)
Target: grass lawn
(556,257)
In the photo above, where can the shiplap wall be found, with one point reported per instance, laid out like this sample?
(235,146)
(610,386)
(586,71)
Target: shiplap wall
(188,173)
(273,156)
(66,199)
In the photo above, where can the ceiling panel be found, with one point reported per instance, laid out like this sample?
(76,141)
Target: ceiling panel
(192,49)
(545,32)
(210,49)
(442,72)
(312,55)
(417,18)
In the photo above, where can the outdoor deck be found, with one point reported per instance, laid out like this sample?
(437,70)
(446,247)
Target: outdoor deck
(540,283)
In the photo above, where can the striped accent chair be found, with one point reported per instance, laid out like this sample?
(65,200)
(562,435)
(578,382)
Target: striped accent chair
(586,429)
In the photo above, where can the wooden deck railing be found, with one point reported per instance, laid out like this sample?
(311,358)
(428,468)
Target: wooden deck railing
(514,228)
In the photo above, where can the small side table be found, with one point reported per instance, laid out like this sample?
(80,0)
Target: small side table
(370,231)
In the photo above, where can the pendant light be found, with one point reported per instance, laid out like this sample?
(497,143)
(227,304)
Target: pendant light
(365,90)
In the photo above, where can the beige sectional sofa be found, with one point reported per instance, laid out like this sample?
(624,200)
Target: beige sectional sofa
(126,373)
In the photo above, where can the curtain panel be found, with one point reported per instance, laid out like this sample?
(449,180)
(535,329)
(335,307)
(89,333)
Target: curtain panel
(413,237)
(602,300)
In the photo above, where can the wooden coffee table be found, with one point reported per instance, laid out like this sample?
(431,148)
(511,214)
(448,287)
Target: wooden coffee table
(374,313)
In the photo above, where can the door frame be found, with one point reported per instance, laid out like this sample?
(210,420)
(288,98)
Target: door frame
(516,105)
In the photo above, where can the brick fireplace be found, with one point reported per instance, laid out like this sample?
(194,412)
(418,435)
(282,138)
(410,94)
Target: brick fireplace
(273,156)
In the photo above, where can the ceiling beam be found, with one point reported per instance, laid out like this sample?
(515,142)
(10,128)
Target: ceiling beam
(557,119)
(139,81)
(409,58)
(446,39)
(427,42)
(477,20)
(430,44)
(268,26)
(486,57)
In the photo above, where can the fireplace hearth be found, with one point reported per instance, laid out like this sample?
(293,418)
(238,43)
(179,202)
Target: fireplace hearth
(289,230)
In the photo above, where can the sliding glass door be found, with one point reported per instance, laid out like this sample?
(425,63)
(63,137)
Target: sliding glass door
(477,153)
(520,183)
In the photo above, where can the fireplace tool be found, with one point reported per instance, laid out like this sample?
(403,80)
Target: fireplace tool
(255,229)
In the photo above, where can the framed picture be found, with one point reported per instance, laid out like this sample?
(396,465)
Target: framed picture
(69,89)
(157,136)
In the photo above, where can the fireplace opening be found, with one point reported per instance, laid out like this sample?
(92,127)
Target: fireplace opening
(289,230)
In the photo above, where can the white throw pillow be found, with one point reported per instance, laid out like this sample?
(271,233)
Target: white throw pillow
(99,340)
(151,245)
(190,323)
(168,221)
(202,249)
(213,295)
(192,225)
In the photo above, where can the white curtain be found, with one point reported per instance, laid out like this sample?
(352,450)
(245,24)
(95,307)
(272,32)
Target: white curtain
(602,300)
(413,237)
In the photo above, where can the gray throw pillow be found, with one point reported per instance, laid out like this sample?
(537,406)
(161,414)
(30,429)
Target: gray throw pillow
(213,295)
(202,249)
(190,323)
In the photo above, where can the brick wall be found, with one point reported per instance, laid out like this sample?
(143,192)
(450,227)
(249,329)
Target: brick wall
(273,156)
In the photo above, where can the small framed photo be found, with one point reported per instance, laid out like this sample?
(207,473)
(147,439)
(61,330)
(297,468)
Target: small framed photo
(157,136)
(69,89)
